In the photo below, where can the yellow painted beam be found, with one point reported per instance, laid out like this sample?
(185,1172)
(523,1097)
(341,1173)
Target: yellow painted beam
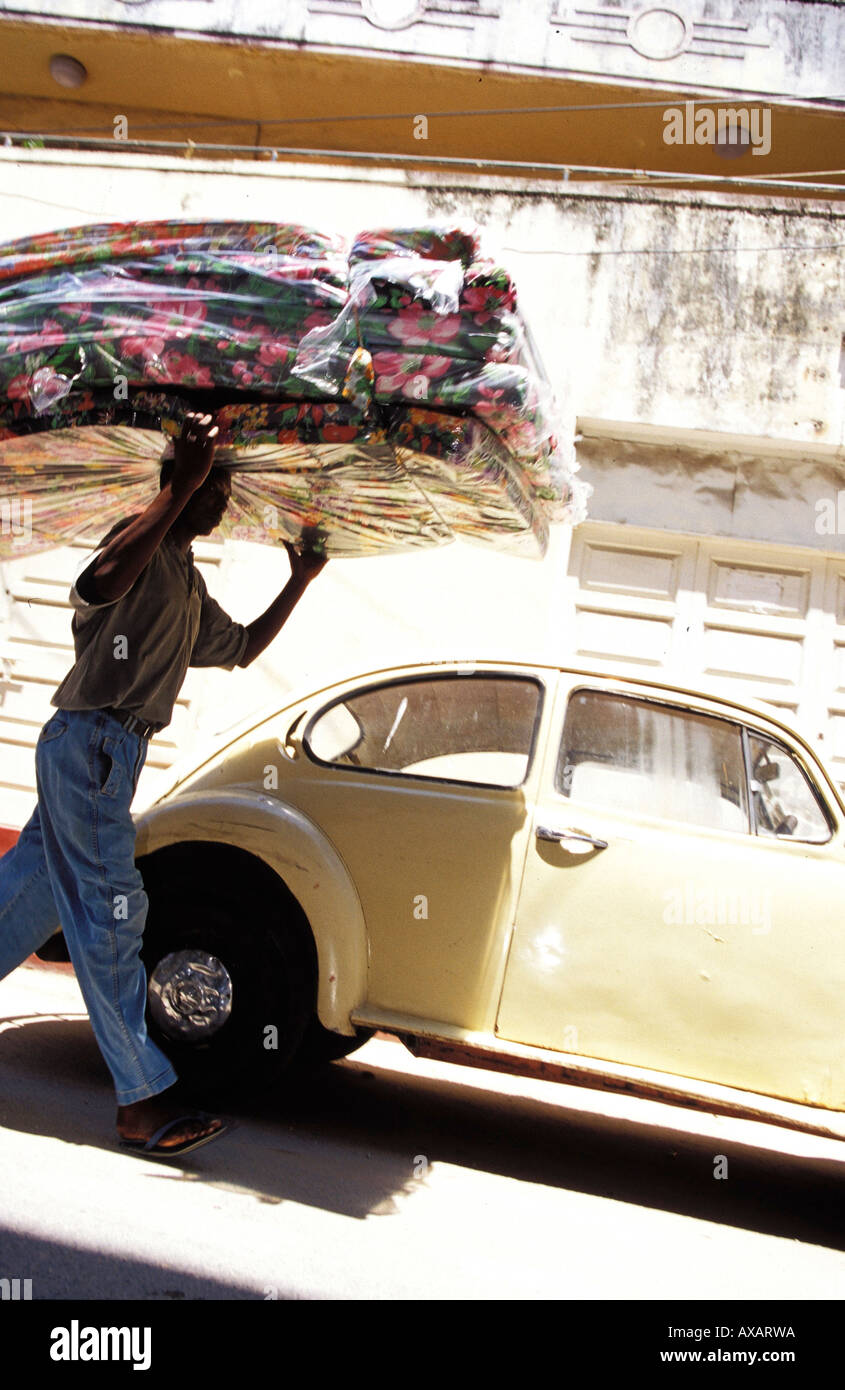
(232,92)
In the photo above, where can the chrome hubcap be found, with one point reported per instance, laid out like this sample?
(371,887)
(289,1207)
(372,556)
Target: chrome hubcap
(190,995)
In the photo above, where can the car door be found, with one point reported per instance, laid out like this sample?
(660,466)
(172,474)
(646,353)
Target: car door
(680,908)
(421,783)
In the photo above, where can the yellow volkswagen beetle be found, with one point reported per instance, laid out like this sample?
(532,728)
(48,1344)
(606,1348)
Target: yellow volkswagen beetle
(584,877)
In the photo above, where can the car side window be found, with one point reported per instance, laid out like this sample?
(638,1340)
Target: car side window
(457,728)
(635,756)
(783,799)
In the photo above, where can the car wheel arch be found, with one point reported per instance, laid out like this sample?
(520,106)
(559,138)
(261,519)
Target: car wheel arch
(303,860)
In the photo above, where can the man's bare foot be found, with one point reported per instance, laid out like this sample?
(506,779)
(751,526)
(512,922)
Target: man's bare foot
(139,1122)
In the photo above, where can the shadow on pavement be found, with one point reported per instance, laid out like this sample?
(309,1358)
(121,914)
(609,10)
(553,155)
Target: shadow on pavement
(357,1140)
(63,1271)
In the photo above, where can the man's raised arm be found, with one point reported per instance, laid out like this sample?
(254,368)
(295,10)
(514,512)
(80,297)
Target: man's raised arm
(119,564)
(304,567)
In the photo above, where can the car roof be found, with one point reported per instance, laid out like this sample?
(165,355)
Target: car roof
(666,682)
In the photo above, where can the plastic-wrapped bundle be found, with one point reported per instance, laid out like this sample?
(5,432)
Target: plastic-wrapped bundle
(442,328)
(115,241)
(506,397)
(221,305)
(551,490)
(363,488)
(442,286)
(402,401)
(451,242)
(464,337)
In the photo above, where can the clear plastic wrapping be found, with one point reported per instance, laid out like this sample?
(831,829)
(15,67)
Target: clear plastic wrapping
(389,396)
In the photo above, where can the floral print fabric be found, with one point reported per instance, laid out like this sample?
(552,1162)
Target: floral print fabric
(392,396)
(356,486)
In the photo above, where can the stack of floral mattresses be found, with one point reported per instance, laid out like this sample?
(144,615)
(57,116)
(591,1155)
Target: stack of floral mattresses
(378,397)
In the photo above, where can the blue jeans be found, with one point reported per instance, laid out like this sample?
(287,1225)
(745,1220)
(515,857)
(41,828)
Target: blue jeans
(74,864)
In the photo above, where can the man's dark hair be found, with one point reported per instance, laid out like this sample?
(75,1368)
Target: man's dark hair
(168,464)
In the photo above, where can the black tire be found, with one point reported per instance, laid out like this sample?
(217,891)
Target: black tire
(228,905)
(319,1046)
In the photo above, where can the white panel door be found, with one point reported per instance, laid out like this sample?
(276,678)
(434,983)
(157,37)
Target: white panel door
(768,619)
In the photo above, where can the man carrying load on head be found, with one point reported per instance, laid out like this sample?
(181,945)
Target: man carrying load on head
(141,597)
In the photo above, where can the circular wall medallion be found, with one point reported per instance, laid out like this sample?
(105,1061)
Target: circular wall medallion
(393,14)
(658,33)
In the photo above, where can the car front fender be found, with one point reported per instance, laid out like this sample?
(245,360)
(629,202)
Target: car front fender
(308,864)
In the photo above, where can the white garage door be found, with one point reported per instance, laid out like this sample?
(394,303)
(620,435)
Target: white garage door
(770,619)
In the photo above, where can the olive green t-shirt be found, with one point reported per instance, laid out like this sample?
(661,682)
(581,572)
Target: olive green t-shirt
(134,652)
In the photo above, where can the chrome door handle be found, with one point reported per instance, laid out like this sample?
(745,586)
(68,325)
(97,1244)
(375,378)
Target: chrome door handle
(558,836)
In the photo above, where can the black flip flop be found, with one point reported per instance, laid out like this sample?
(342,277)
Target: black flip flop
(151,1147)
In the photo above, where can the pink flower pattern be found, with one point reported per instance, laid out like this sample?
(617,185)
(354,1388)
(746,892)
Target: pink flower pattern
(226,306)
